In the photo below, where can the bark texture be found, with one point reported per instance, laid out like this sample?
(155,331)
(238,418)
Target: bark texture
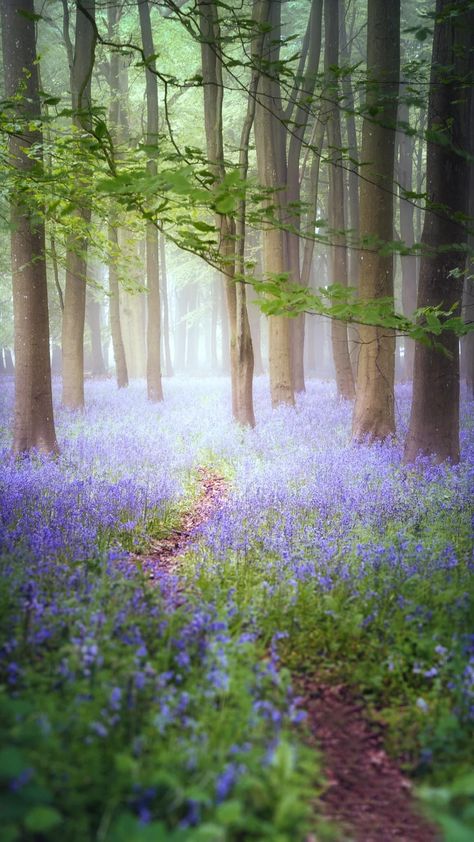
(409,262)
(153,336)
(115,120)
(374,416)
(299,110)
(336,216)
(33,426)
(434,419)
(241,351)
(270,144)
(121,372)
(76,256)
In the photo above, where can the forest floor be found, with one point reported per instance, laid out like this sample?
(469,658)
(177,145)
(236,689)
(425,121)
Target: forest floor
(366,793)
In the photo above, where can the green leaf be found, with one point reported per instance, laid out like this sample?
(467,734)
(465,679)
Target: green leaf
(42,818)
(12,763)
(225,204)
(230,812)
(29,15)
(203,226)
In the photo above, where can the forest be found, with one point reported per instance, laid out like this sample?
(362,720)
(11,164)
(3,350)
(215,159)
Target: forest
(236,420)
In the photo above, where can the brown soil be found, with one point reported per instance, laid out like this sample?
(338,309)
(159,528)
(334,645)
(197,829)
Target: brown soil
(164,556)
(366,791)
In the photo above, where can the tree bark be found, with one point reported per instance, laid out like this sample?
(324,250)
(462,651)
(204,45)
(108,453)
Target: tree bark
(121,371)
(374,416)
(93,309)
(270,143)
(434,419)
(153,369)
(76,256)
(33,426)
(337,225)
(166,309)
(409,262)
(300,120)
(241,352)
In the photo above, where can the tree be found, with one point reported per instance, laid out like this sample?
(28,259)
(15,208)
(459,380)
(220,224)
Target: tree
(115,108)
(81,60)
(33,420)
(153,367)
(337,226)
(241,351)
(297,112)
(270,143)
(434,418)
(374,416)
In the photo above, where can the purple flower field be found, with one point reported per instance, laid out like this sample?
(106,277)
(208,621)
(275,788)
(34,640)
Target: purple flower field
(132,712)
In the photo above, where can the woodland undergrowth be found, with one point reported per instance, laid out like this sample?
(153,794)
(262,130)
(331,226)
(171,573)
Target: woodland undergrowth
(132,711)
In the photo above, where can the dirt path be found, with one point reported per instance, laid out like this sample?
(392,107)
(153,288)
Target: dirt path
(163,556)
(366,792)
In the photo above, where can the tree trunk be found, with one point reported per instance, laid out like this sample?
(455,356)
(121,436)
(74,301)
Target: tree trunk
(352,173)
(337,226)
(374,415)
(166,309)
(121,372)
(467,342)
(241,352)
(225,340)
(300,120)
(409,263)
(153,369)
(76,256)
(94,322)
(9,364)
(33,426)
(116,107)
(434,419)
(271,163)
(192,329)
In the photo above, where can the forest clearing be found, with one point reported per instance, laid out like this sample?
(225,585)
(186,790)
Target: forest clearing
(236,421)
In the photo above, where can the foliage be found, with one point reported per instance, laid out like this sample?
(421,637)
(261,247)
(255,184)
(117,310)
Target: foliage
(125,711)
(325,556)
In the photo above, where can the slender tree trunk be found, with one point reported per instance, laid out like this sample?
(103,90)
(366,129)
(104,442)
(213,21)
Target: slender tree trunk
(467,342)
(166,309)
(374,415)
(192,328)
(76,256)
(153,370)
(241,352)
(224,321)
(121,372)
(338,251)
(33,426)
(434,419)
(9,364)
(271,162)
(352,195)
(94,322)
(409,263)
(300,118)
(180,334)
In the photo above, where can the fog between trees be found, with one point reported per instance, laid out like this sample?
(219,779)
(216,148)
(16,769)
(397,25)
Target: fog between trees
(239,188)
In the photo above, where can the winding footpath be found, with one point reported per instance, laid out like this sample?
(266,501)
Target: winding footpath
(366,794)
